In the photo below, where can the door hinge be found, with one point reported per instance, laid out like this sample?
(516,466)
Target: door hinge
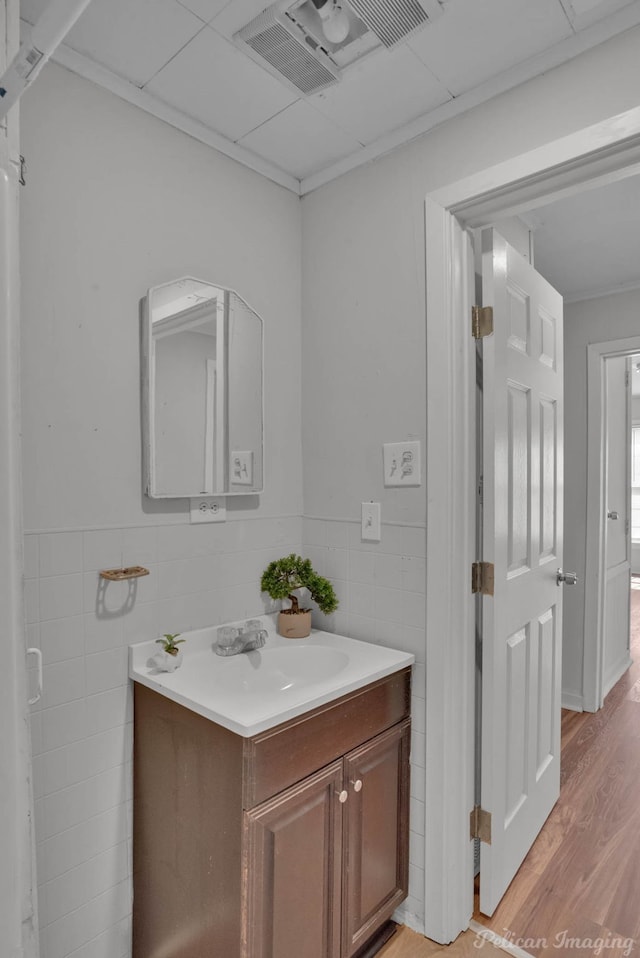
(626,527)
(482,576)
(480,824)
(481,321)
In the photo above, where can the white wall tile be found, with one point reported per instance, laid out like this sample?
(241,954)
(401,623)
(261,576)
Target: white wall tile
(105,710)
(32,600)
(361,566)
(140,546)
(63,682)
(414,574)
(361,599)
(63,724)
(106,670)
(79,885)
(102,550)
(414,610)
(388,571)
(60,596)
(31,556)
(62,639)
(102,634)
(60,553)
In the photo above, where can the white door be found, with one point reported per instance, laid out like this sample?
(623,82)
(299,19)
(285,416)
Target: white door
(617,584)
(522,534)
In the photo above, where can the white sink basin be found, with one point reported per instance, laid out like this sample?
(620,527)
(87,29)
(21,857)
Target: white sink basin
(254,691)
(281,669)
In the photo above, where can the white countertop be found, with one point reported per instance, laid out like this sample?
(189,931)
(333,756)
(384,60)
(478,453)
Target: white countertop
(254,691)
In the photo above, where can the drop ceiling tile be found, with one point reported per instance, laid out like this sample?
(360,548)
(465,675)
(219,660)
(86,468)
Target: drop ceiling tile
(300,140)
(474,40)
(237,14)
(212,81)
(205,9)
(30,10)
(134,40)
(381,93)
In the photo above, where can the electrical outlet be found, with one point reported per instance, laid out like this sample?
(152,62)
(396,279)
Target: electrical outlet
(371,521)
(402,466)
(208,509)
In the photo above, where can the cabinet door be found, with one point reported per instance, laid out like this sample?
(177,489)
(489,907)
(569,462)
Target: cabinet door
(292,862)
(376,839)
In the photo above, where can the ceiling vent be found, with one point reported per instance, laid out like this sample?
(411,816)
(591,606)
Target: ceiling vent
(289,50)
(291,41)
(394,20)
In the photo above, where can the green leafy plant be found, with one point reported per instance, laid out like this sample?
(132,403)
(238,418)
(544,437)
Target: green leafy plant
(283,576)
(170,643)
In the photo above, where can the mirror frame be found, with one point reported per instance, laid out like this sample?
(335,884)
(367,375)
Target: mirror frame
(147,385)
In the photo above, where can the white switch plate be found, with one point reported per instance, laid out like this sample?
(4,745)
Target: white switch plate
(371,521)
(402,466)
(241,468)
(208,509)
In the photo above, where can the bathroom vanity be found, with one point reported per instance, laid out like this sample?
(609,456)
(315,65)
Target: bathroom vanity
(277,839)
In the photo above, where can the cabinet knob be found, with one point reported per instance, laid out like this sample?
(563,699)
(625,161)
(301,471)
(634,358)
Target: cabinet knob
(357,785)
(343,796)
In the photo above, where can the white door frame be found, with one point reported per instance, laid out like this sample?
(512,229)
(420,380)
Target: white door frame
(601,153)
(592,674)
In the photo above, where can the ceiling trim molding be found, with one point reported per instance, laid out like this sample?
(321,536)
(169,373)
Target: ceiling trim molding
(101,76)
(599,292)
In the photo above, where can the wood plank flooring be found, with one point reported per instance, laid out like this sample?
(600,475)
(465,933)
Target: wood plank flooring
(581,879)
(407,944)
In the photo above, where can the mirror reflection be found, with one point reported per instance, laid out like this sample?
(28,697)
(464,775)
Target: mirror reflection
(202,391)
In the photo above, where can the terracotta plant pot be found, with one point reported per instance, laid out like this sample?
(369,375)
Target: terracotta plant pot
(294,625)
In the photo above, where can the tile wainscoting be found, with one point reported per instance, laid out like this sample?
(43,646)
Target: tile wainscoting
(381,587)
(82,727)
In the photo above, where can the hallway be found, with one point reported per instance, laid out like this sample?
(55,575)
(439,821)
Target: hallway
(581,879)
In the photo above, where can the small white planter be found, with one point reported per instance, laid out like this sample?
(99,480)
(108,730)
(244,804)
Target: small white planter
(165,662)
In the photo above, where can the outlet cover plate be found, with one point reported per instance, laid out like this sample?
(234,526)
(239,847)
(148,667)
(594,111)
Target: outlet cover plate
(208,509)
(402,465)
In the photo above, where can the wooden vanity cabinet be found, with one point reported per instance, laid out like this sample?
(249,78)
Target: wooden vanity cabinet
(290,844)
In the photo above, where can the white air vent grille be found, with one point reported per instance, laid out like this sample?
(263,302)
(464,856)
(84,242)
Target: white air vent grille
(393,20)
(276,43)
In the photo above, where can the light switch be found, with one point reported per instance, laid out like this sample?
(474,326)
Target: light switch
(371,521)
(401,461)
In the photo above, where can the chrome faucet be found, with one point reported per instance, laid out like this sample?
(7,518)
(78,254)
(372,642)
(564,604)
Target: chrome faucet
(246,638)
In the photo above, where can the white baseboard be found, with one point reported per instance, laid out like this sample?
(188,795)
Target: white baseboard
(502,943)
(572,701)
(617,674)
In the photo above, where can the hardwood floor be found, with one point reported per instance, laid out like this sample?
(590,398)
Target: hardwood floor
(581,879)
(407,944)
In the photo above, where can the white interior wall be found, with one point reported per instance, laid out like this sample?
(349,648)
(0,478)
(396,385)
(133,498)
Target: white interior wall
(116,202)
(592,321)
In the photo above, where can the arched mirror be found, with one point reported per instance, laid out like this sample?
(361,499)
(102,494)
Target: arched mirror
(202,392)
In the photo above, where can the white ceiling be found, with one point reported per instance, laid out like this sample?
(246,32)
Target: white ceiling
(588,244)
(177,59)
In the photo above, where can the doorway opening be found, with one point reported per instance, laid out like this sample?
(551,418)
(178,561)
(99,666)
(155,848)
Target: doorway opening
(503,191)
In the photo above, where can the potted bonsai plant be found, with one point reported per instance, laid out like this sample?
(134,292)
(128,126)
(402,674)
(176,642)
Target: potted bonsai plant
(280,580)
(169,657)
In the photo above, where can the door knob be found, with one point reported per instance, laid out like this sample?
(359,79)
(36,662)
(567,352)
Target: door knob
(612,515)
(569,578)
(343,796)
(357,785)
